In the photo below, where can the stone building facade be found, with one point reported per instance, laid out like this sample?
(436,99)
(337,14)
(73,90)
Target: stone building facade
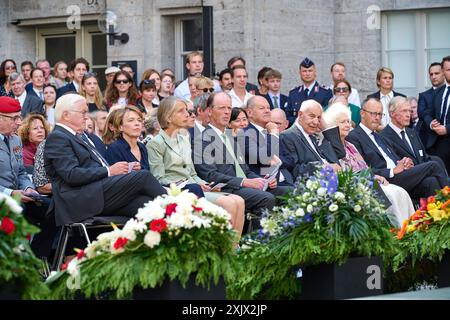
(276,33)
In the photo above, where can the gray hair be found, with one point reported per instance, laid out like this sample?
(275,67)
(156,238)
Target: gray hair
(333,112)
(308,104)
(396,102)
(66,103)
(201,102)
(411,99)
(14,76)
(151,124)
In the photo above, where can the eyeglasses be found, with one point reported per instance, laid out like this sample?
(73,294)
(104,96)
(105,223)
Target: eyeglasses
(374,114)
(211,90)
(14,118)
(341,89)
(191,112)
(126,81)
(83,113)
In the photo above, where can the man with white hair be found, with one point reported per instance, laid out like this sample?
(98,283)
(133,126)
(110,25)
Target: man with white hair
(84,185)
(299,142)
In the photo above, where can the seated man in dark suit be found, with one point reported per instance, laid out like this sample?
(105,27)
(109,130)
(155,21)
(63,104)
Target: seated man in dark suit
(77,68)
(84,185)
(29,102)
(261,143)
(419,180)
(299,142)
(275,98)
(219,159)
(201,117)
(437,118)
(404,141)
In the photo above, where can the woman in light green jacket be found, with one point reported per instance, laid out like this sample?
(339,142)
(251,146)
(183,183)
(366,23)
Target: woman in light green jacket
(170,159)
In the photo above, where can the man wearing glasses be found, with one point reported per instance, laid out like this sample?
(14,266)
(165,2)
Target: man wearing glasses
(420,180)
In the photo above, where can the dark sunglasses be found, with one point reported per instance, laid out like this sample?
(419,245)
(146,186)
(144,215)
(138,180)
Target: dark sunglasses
(208,90)
(149,81)
(191,112)
(126,81)
(341,89)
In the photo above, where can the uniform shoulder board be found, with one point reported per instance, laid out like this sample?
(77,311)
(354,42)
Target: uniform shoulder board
(324,86)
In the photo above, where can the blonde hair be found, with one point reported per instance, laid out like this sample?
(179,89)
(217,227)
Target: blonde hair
(203,81)
(25,127)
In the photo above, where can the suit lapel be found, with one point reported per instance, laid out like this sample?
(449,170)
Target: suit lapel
(413,138)
(364,137)
(396,139)
(305,142)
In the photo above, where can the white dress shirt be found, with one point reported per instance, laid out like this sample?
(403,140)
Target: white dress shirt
(308,138)
(237,102)
(385,99)
(40,94)
(278,95)
(22,98)
(399,133)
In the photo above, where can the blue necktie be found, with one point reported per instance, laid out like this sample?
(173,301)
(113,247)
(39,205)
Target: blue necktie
(444,108)
(307,92)
(384,147)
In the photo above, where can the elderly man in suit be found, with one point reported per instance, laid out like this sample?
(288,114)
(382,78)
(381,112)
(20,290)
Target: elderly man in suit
(261,144)
(437,118)
(84,185)
(420,180)
(403,140)
(220,160)
(28,102)
(299,142)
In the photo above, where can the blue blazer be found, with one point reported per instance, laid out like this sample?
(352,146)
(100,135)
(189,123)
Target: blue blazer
(67,88)
(120,151)
(434,112)
(297,95)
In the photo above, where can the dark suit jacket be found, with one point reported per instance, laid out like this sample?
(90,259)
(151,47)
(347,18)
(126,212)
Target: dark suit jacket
(401,148)
(120,150)
(67,88)
(282,103)
(294,144)
(76,176)
(32,103)
(377,95)
(259,150)
(435,113)
(99,145)
(213,162)
(297,96)
(369,151)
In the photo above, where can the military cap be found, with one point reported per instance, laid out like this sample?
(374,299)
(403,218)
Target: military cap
(306,63)
(9,105)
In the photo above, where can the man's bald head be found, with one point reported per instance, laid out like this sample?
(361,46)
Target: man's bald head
(278,116)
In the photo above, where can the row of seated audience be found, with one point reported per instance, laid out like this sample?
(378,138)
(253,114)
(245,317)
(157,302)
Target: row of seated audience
(257,160)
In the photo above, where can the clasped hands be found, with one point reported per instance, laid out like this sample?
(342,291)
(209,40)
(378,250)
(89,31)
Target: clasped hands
(404,164)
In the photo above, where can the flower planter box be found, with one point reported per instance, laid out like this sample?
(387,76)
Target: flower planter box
(173,290)
(9,292)
(357,277)
(444,271)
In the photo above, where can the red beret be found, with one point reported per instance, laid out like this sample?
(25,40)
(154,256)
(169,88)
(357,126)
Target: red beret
(9,105)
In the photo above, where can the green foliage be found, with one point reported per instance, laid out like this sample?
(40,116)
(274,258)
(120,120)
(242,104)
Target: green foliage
(296,235)
(18,265)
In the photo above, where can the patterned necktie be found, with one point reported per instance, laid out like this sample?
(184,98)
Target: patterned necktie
(239,172)
(275,102)
(383,147)
(406,141)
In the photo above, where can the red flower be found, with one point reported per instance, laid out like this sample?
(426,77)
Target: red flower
(171,208)
(197,209)
(7,226)
(431,199)
(80,255)
(423,204)
(28,237)
(120,243)
(64,266)
(158,225)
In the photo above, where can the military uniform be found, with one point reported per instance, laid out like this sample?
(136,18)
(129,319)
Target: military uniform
(297,95)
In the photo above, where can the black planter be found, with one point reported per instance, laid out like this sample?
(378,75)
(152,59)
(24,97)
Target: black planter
(444,271)
(9,291)
(353,279)
(173,290)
